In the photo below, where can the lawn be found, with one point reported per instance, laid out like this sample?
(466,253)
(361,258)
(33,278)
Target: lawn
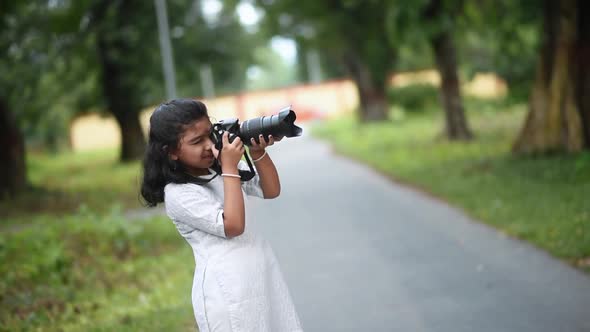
(541,199)
(72,261)
(62,183)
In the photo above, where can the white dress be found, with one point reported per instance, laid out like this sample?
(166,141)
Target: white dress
(238,285)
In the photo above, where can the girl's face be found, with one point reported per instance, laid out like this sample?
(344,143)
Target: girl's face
(194,150)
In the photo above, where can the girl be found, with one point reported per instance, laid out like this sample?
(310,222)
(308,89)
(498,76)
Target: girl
(237,285)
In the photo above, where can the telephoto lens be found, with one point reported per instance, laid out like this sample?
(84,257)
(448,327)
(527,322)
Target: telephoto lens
(278,125)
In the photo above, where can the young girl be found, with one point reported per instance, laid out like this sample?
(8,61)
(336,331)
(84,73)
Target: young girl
(237,284)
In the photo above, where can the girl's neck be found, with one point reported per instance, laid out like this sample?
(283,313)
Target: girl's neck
(198,171)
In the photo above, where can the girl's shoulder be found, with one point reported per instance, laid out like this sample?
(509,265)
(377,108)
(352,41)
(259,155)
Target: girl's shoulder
(174,189)
(181,195)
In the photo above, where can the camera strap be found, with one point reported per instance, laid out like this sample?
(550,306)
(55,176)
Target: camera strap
(247,175)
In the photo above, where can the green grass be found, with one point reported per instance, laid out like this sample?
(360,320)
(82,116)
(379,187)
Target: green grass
(71,260)
(63,183)
(90,272)
(542,199)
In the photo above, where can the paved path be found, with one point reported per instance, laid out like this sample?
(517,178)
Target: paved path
(363,254)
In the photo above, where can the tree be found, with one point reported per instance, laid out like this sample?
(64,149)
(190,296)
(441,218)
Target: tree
(329,69)
(434,22)
(501,36)
(13,170)
(12,156)
(438,12)
(70,57)
(22,56)
(129,59)
(124,34)
(559,103)
(219,41)
(352,32)
(125,46)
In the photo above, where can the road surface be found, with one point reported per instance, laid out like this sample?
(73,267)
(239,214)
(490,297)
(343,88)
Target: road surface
(361,253)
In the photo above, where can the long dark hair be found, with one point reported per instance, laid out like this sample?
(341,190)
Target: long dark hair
(167,124)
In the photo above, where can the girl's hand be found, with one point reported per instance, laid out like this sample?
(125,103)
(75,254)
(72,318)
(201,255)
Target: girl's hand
(257,150)
(231,153)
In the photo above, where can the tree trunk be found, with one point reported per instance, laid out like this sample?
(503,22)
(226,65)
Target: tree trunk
(583,69)
(559,106)
(456,127)
(13,172)
(371,90)
(125,111)
(132,138)
(120,90)
(455,122)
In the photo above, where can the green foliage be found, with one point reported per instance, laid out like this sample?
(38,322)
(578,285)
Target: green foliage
(321,25)
(24,54)
(64,182)
(45,73)
(270,70)
(541,199)
(490,36)
(406,21)
(72,260)
(51,72)
(502,37)
(412,25)
(91,269)
(414,55)
(221,43)
(330,69)
(415,97)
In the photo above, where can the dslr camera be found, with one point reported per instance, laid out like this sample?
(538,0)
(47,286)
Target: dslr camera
(278,125)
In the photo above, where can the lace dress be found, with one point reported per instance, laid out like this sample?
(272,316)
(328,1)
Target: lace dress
(237,285)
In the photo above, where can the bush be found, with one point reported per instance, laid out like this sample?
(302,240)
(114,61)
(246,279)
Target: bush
(45,266)
(415,97)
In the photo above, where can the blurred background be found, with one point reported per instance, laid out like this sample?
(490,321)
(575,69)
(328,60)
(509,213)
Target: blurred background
(484,104)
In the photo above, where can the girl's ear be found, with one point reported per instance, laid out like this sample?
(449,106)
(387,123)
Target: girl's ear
(172,153)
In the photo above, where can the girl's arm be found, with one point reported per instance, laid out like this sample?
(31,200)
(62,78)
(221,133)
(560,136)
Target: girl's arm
(234,216)
(269,177)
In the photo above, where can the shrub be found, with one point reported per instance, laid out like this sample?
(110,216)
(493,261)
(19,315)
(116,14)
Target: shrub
(415,97)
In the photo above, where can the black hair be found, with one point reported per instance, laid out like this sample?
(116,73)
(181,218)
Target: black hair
(167,124)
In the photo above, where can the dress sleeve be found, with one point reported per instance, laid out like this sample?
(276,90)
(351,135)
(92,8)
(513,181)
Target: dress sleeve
(195,207)
(252,187)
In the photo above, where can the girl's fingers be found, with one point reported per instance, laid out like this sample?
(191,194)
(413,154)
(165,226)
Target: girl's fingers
(263,143)
(237,142)
(271,140)
(253,142)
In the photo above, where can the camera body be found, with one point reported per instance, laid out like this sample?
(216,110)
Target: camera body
(231,125)
(278,125)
